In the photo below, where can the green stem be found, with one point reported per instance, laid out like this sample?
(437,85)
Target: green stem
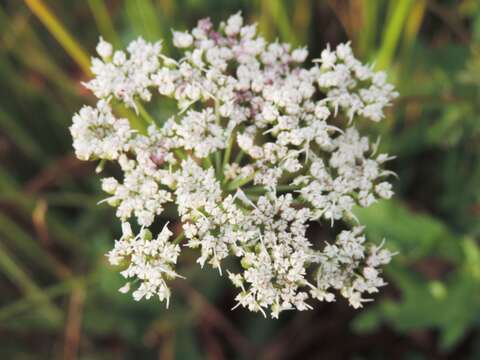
(235,184)
(144,113)
(218,164)
(218,155)
(207,162)
(100,166)
(279,188)
(228,151)
(180,153)
(179,238)
(239,157)
(135,121)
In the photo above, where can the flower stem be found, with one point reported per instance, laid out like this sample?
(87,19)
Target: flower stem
(179,238)
(239,157)
(207,162)
(262,189)
(144,113)
(218,164)
(180,153)
(235,184)
(228,151)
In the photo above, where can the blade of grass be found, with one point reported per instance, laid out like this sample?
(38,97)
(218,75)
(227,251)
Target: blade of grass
(75,50)
(366,37)
(142,16)
(414,21)
(104,21)
(137,122)
(279,14)
(21,40)
(168,7)
(72,199)
(18,307)
(398,13)
(22,90)
(26,203)
(30,247)
(21,138)
(71,46)
(16,83)
(264,20)
(412,27)
(7,182)
(302,18)
(20,278)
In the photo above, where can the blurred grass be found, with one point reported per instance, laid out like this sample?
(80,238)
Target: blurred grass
(396,18)
(60,33)
(59,296)
(103,21)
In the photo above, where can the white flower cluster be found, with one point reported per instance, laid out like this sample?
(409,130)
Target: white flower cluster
(149,260)
(259,148)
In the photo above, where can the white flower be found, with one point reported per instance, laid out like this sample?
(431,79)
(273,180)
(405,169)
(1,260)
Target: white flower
(256,149)
(339,76)
(97,134)
(299,55)
(151,260)
(182,39)
(234,24)
(104,49)
(322,112)
(327,58)
(384,190)
(126,77)
(196,131)
(125,288)
(109,185)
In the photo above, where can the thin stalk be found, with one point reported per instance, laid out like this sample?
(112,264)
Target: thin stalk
(135,121)
(20,278)
(26,204)
(24,243)
(366,37)
(59,32)
(228,151)
(62,288)
(281,18)
(218,155)
(398,14)
(207,162)
(104,21)
(144,113)
(22,138)
(179,238)
(100,166)
(279,188)
(239,157)
(218,164)
(253,197)
(72,199)
(235,184)
(414,21)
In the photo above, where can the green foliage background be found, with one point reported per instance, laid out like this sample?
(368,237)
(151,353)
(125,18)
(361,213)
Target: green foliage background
(59,297)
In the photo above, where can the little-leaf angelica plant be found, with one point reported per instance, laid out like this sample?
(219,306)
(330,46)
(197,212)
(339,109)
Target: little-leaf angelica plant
(261,145)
